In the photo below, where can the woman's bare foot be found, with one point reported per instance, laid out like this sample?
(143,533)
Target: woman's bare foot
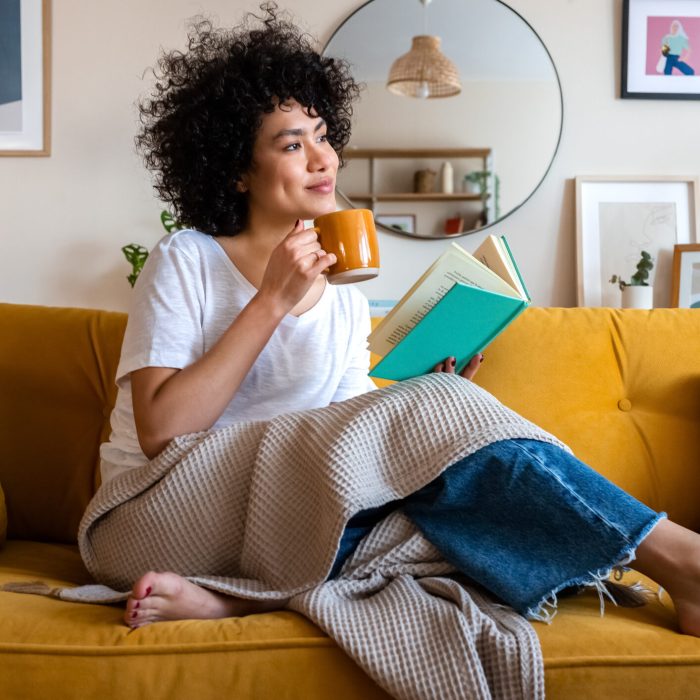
(167,596)
(670,555)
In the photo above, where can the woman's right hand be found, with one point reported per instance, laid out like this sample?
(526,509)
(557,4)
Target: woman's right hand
(294,266)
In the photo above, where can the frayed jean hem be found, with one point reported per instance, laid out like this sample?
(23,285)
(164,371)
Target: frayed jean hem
(545,609)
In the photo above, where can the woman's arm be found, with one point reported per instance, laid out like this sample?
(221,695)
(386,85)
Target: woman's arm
(169,402)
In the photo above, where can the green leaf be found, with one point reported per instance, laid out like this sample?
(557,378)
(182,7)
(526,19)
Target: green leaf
(136,255)
(169,222)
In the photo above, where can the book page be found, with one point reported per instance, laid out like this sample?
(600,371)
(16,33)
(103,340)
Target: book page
(492,254)
(454,265)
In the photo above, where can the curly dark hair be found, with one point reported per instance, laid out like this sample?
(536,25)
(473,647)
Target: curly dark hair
(199,124)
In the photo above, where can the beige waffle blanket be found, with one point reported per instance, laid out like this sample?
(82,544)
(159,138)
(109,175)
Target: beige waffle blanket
(258,509)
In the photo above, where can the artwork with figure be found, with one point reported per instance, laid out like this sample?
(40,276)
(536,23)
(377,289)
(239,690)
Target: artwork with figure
(673,45)
(628,228)
(10,66)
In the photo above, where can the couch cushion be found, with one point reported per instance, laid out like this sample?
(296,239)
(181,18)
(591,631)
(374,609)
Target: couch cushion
(57,371)
(621,387)
(70,650)
(631,653)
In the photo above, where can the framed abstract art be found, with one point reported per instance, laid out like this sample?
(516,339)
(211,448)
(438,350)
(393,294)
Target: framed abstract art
(25,77)
(617,217)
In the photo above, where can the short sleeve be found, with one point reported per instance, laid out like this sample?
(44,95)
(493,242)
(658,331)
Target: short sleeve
(355,379)
(165,318)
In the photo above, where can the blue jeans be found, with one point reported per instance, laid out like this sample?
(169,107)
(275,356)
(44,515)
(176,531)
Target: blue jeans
(523,518)
(674,61)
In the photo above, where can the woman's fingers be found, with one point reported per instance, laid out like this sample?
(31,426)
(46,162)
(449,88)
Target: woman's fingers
(323,261)
(447,366)
(472,366)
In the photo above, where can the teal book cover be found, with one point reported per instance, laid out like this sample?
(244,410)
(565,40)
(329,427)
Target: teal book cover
(460,325)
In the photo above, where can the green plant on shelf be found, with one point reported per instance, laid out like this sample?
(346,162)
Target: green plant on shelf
(480,179)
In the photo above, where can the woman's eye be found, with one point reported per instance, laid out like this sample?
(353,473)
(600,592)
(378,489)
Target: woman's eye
(323,137)
(292,147)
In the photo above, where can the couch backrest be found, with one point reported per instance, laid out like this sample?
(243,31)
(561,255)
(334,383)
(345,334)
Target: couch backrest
(57,370)
(622,388)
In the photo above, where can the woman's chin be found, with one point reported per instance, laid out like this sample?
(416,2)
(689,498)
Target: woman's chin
(326,207)
(309,214)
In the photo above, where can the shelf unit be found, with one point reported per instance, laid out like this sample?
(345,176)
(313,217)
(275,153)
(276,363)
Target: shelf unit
(374,155)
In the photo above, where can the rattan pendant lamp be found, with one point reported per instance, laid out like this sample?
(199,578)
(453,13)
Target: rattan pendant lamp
(424,71)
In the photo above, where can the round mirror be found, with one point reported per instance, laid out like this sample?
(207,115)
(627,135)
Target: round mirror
(431,163)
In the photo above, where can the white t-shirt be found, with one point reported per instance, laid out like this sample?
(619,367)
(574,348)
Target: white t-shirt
(189,292)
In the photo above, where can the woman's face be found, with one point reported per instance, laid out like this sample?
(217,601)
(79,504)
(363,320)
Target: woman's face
(674,27)
(294,167)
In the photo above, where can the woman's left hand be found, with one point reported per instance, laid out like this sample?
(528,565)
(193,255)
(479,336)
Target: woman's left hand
(471,368)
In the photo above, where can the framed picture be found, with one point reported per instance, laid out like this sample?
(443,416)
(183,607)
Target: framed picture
(619,217)
(685,292)
(661,49)
(25,77)
(404,223)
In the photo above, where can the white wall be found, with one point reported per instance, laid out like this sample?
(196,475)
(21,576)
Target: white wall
(63,219)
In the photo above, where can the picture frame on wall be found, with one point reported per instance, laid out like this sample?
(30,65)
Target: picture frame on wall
(685,291)
(661,49)
(404,223)
(617,217)
(25,78)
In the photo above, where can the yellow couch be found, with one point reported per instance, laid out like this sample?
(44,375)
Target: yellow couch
(621,387)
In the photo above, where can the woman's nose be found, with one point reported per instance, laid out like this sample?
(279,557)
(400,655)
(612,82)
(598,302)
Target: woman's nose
(320,157)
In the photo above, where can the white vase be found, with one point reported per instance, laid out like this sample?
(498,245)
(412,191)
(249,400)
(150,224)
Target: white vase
(447,182)
(635,296)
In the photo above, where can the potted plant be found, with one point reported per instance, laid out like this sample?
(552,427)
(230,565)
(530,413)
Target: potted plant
(476,182)
(136,255)
(637,293)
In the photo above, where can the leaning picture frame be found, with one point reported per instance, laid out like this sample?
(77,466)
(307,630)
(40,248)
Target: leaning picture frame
(661,49)
(403,223)
(685,290)
(25,78)
(617,217)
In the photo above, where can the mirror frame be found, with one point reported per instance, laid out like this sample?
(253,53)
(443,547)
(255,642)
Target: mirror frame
(386,229)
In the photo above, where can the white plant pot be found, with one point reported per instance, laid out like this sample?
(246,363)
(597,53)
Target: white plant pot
(637,297)
(471,187)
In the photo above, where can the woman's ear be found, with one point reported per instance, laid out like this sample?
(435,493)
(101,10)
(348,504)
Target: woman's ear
(241,186)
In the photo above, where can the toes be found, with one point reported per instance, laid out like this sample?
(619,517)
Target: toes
(131,618)
(140,617)
(145,585)
(140,603)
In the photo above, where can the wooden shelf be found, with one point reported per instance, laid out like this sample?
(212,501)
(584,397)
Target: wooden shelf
(350,153)
(416,197)
(375,189)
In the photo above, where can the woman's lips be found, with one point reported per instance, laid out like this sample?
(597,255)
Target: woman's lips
(322,187)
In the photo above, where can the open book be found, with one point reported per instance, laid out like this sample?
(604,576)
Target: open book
(455,309)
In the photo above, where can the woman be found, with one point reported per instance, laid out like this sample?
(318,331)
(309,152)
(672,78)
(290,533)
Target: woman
(233,320)
(676,47)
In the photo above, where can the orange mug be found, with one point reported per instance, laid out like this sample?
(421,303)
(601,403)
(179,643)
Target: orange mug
(349,234)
